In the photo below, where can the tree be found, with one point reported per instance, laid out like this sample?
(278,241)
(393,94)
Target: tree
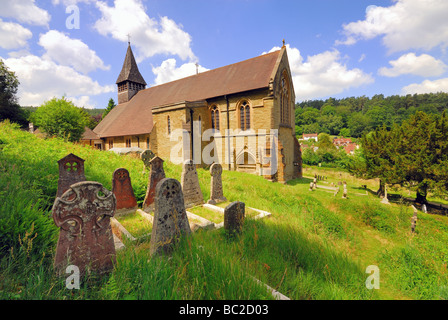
(110,106)
(9,108)
(61,118)
(414,153)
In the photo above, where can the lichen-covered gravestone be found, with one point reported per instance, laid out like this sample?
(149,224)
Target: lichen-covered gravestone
(170,217)
(83,215)
(216,192)
(190,185)
(146,157)
(156,175)
(122,189)
(345,191)
(71,170)
(234,217)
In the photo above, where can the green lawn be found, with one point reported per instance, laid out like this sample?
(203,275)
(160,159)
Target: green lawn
(313,246)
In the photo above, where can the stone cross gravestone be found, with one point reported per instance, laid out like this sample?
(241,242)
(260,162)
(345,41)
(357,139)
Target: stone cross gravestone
(146,157)
(122,189)
(83,215)
(234,217)
(71,170)
(385,199)
(170,217)
(216,192)
(190,185)
(156,175)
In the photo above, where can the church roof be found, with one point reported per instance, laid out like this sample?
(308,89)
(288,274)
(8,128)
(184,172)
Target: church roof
(135,116)
(130,71)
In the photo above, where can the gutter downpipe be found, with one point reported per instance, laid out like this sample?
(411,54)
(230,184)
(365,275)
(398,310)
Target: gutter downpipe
(228,132)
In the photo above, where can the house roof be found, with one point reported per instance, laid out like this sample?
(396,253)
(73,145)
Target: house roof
(135,116)
(129,71)
(89,134)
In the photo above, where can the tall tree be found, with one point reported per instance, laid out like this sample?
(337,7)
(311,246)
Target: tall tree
(61,118)
(9,108)
(110,106)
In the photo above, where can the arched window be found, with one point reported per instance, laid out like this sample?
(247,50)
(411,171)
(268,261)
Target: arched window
(244,115)
(169,125)
(284,100)
(215,117)
(200,124)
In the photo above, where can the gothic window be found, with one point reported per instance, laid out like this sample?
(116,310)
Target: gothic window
(284,100)
(244,116)
(200,125)
(147,143)
(128,143)
(111,143)
(215,117)
(169,125)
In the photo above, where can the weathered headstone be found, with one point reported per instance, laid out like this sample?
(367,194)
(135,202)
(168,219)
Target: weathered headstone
(122,189)
(83,213)
(385,199)
(216,192)
(344,191)
(146,157)
(311,186)
(170,217)
(190,185)
(234,217)
(71,170)
(336,191)
(414,220)
(156,175)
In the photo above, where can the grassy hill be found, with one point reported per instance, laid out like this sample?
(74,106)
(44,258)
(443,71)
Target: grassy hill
(313,246)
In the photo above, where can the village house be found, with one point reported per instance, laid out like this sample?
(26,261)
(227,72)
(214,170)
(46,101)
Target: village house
(309,136)
(248,107)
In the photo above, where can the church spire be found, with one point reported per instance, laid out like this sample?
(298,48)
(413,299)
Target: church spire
(129,81)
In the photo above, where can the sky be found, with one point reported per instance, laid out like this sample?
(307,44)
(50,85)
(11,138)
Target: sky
(336,48)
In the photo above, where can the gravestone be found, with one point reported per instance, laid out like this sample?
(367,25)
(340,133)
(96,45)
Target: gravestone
(311,185)
(146,157)
(216,192)
(234,217)
(71,170)
(414,220)
(385,199)
(336,191)
(83,215)
(344,191)
(190,185)
(122,189)
(315,182)
(170,217)
(156,175)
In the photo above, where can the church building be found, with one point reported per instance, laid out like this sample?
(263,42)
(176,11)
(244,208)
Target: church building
(240,115)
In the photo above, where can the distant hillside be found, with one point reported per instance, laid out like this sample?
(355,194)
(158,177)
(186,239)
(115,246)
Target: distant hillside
(355,116)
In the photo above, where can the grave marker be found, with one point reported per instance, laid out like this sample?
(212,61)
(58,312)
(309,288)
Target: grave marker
(71,170)
(190,185)
(216,192)
(234,217)
(122,189)
(170,217)
(156,175)
(83,213)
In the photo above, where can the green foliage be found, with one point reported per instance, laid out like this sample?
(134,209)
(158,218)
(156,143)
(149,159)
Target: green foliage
(61,118)
(9,108)
(110,106)
(362,114)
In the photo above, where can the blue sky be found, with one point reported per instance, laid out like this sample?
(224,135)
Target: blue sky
(336,48)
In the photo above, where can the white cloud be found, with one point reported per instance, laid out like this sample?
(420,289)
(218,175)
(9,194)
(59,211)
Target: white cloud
(148,35)
(25,11)
(167,71)
(13,35)
(70,52)
(322,75)
(423,65)
(42,79)
(408,24)
(427,86)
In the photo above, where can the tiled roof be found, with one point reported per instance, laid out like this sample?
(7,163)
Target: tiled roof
(135,116)
(130,71)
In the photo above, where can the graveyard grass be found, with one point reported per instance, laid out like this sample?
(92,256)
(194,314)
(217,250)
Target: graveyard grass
(313,246)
